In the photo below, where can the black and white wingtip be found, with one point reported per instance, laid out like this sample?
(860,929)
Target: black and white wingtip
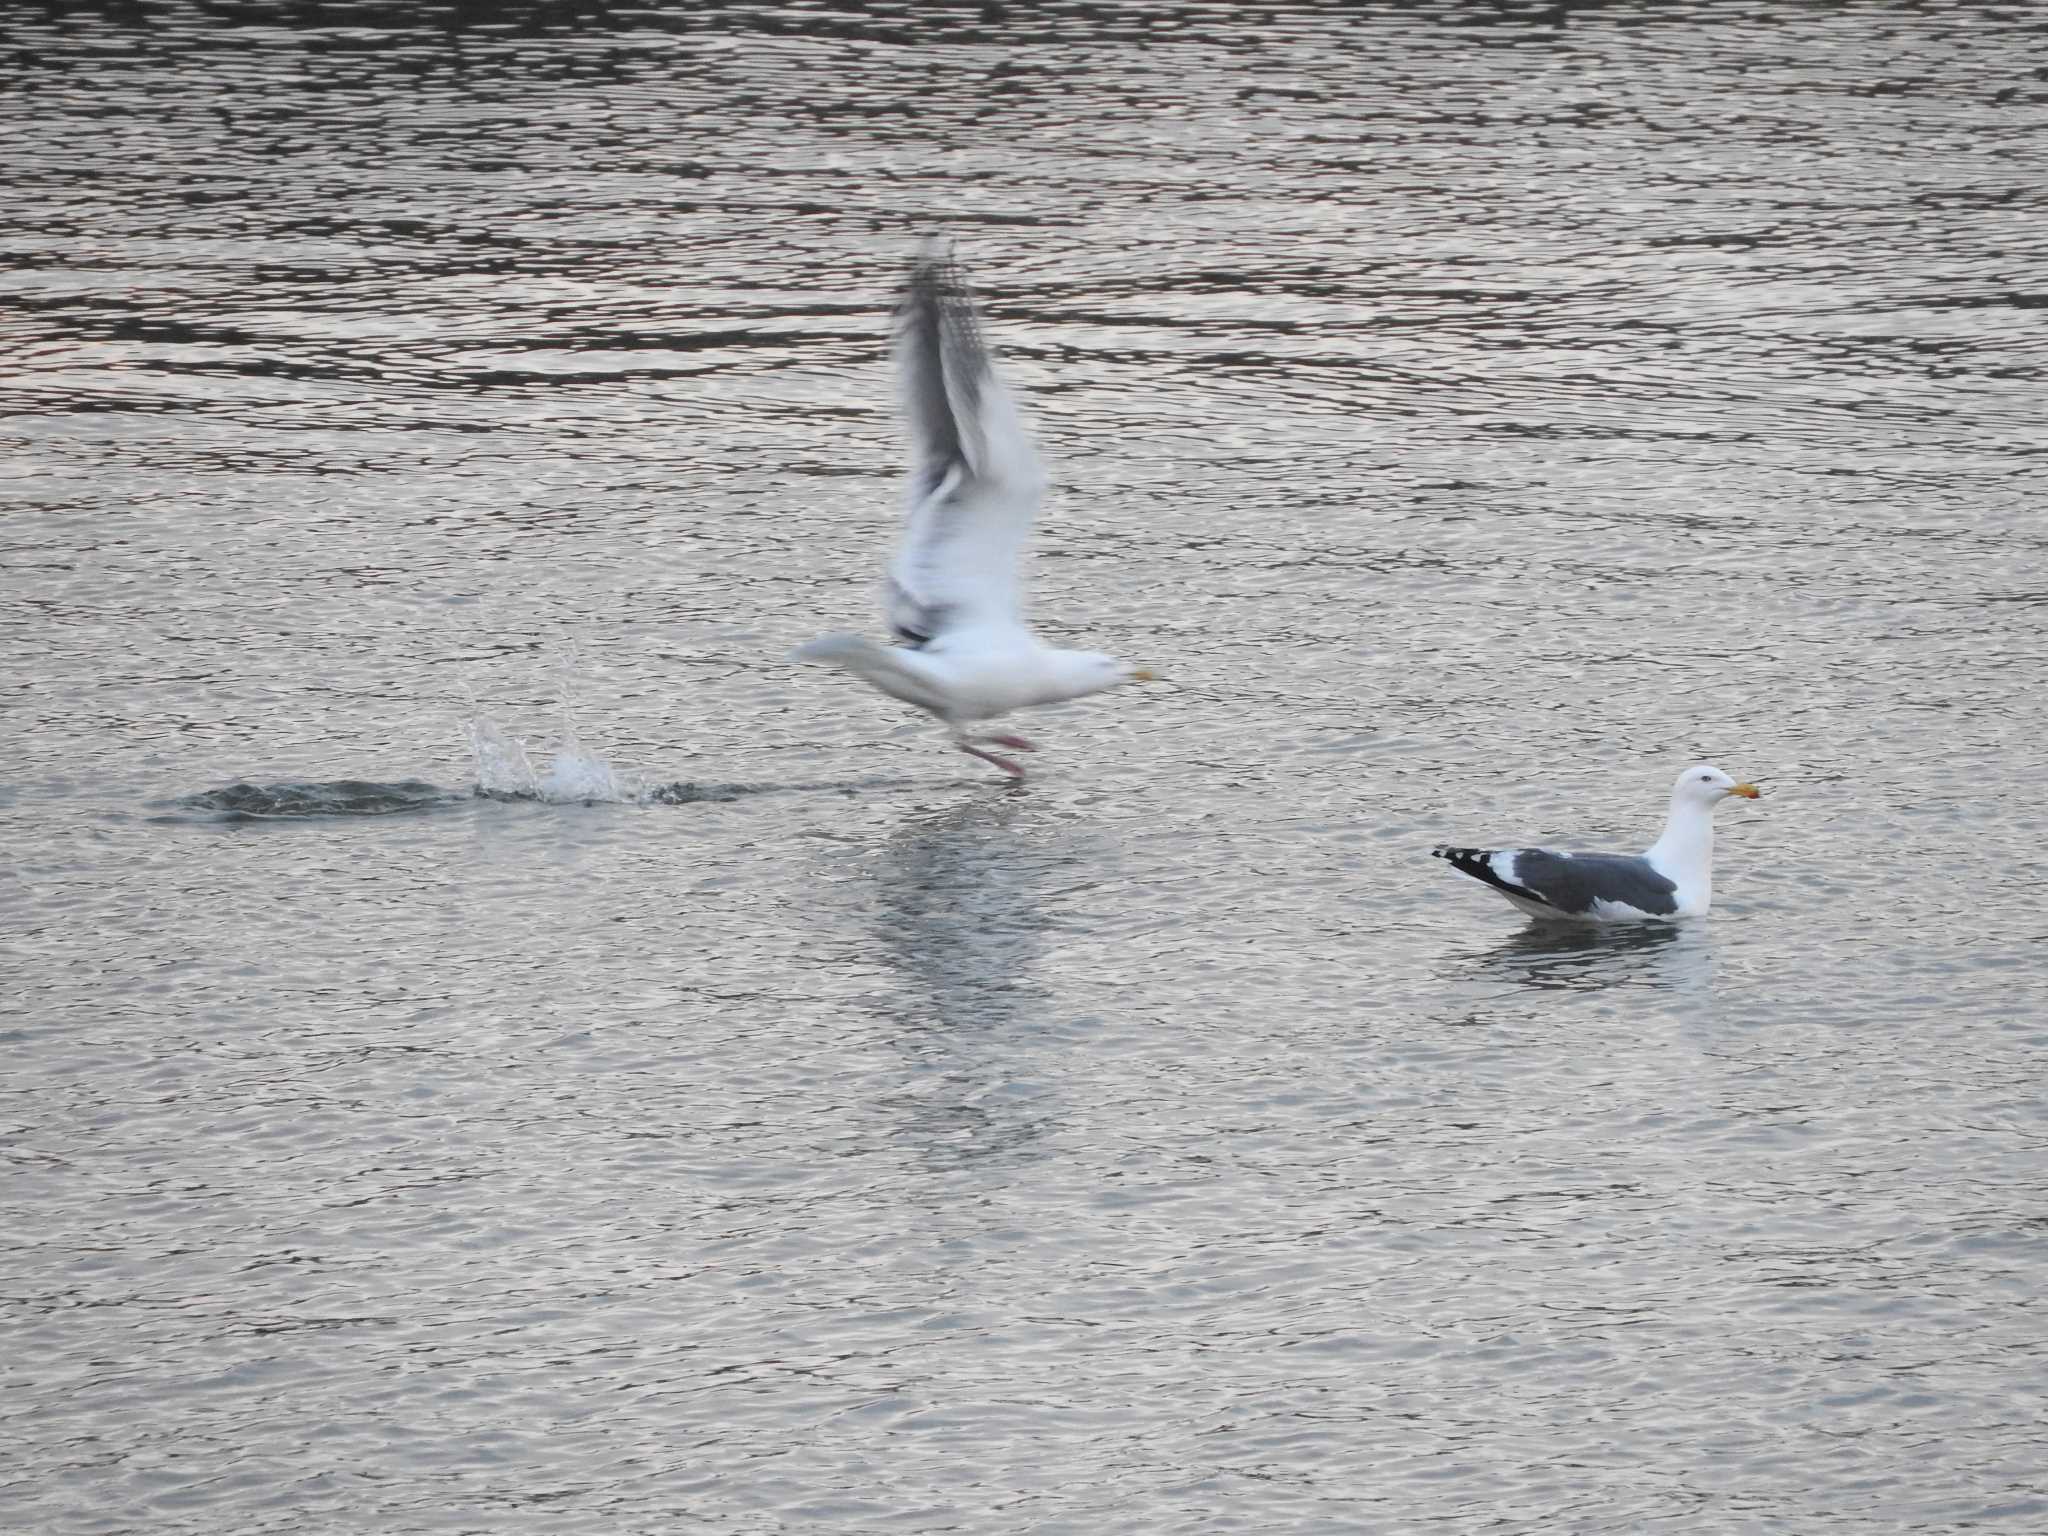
(936,313)
(1462,857)
(944,369)
(1480,864)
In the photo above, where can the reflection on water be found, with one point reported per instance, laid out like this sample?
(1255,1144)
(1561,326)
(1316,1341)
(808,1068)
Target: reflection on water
(959,913)
(1588,957)
(960,920)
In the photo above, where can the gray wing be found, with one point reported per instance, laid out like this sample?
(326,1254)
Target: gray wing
(1570,883)
(974,477)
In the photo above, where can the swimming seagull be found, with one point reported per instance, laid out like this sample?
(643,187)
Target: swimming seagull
(952,594)
(1674,877)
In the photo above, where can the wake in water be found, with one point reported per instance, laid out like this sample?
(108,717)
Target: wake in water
(332,797)
(576,780)
(505,770)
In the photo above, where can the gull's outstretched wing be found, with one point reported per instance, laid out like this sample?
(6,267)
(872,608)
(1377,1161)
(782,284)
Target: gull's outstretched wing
(974,478)
(1570,884)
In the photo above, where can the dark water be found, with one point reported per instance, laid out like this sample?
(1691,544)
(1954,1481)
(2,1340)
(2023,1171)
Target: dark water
(743,1114)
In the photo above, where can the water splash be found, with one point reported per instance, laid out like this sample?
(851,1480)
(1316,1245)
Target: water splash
(504,767)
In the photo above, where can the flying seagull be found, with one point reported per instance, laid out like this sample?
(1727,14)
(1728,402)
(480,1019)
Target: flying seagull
(1674,877)
(952,595)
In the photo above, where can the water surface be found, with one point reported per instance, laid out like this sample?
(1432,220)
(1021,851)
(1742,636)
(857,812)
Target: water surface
(494,1047)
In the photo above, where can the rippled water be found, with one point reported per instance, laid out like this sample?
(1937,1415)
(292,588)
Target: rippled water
(491,1046)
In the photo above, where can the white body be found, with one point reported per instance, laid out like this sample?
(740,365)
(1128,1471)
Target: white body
(968,676)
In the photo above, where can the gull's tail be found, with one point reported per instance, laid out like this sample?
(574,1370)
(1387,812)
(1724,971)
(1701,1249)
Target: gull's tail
(840,650)
(884,667)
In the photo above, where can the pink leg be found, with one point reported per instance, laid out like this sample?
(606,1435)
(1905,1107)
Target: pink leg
(1015,770)
(1014,743)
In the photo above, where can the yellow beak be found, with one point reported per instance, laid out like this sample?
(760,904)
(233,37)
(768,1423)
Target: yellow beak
(1747,791)
(1146,675)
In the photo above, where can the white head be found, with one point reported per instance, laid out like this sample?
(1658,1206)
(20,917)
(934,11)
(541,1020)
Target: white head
(1706,786)
(1077,673)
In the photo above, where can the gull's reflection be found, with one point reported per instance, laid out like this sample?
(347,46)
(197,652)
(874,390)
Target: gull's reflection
(961,924)
(1587,957)
(960,912)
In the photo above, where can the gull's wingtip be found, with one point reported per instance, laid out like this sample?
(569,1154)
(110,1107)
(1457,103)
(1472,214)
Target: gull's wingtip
(933,280)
